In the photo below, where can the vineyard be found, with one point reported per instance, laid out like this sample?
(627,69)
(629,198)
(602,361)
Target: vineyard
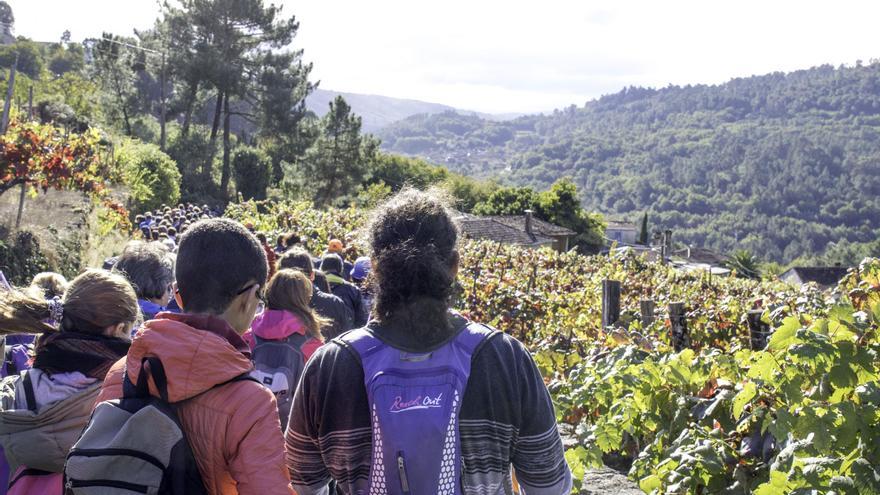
(801,416)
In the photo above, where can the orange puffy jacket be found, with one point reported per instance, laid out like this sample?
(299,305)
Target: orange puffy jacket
(234,429)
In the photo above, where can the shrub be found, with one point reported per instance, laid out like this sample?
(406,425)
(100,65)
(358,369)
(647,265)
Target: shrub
(150,174)
(251,168)
(21,257)
(146,128)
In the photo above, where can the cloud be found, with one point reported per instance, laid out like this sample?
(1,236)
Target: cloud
(523,56)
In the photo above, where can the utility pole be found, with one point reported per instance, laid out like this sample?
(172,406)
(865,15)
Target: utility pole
(162,105)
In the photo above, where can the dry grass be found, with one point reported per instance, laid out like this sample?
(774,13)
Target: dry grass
(61,220)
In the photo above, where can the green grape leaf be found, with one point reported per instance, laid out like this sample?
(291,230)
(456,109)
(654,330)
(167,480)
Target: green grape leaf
(743,397)
(576,459)
(650,483)
(784,336)
(843,376)
(776,486)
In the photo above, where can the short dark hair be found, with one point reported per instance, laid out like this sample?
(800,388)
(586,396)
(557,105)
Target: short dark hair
(297,259)
(261,237)
(215,259)
(148,267)
(331,263)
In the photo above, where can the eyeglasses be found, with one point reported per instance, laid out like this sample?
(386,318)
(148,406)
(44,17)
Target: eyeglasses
(260,295)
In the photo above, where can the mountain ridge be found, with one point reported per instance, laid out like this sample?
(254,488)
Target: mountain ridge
(378,111)
(782,164)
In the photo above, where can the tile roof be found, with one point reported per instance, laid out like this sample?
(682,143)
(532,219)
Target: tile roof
(489,228)
(822,275)
(539,226)
(700,255)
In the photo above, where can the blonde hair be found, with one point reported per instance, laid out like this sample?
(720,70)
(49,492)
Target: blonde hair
(95,300)
(50,283)
(290,290)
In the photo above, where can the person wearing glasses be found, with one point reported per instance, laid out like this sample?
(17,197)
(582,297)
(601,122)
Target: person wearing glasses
(233,429)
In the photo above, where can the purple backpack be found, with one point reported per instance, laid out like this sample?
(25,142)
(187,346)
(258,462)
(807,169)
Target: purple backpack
(415,401)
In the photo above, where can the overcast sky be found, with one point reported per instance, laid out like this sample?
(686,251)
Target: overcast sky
(512,56)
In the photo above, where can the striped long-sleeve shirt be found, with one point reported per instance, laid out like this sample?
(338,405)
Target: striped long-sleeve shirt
(506,419)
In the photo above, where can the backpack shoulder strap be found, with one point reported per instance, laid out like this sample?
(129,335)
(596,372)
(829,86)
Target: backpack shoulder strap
(141,388)
(362,341)
(296,340)
(29,395)
(240,378)
(474,336)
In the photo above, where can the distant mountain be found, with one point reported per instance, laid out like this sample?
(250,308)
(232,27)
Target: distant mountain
(380,111)
(780,164)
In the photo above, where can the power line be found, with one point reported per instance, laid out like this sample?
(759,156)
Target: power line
(136,47)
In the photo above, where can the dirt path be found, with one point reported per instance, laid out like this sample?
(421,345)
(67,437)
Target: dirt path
(605,481)
(608,482)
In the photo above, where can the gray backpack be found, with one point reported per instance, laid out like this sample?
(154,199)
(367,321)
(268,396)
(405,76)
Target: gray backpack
(135,445)
(279,365)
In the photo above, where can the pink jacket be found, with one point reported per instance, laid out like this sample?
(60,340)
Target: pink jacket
(274,324)
(234,430)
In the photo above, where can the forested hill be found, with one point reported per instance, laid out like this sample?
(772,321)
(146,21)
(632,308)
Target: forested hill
(780,164)
(376,111)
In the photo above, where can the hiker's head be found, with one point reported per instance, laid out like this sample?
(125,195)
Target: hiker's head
(290,290)
(50,283)
(291,240)
(150,269)
(221,270)
(262,238)
(97,302)
(413,241)
(361,269)
(335,246)
(331,263)
(297,259)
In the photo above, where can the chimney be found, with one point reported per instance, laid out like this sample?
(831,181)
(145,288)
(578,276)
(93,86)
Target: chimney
(529,222)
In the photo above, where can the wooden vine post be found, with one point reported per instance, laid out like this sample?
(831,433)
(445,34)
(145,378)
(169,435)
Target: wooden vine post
(680,338)
(646,308)
(759,331)
(610,302)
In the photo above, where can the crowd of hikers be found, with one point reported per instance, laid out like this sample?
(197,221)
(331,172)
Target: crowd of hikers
(203,359)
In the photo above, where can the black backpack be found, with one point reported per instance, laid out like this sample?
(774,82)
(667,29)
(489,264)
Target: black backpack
(135,444)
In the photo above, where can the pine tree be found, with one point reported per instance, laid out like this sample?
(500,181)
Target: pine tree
(335,165)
